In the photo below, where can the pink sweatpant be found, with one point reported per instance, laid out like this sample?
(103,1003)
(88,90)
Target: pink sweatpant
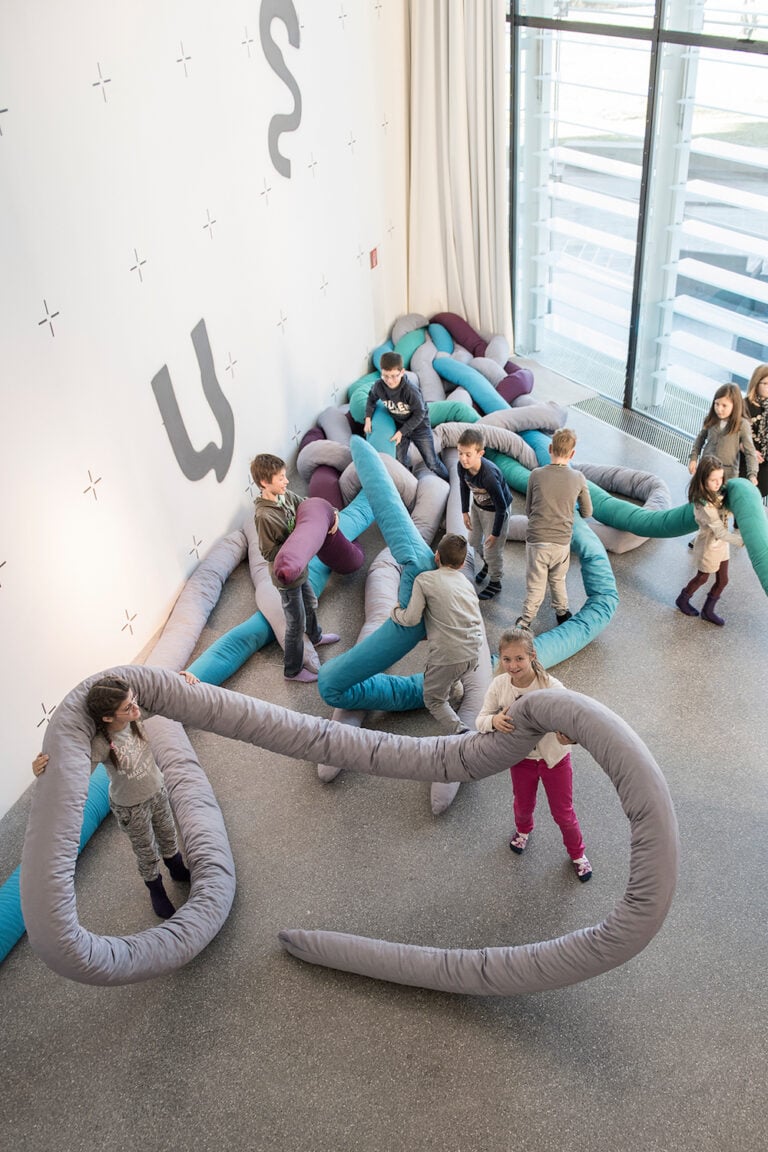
(558,785)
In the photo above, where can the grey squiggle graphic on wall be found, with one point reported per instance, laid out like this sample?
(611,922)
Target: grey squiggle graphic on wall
(287,122)
(193,463)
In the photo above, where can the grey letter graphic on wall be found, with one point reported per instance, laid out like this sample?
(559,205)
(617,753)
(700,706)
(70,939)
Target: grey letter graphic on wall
(196,464)
(285,11)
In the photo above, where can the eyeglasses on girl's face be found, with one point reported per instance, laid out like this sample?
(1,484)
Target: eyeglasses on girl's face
(128,706)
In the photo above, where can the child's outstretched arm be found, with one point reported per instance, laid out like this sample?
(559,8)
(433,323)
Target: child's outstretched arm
(464,493)
(747,446)
(370,406)
(584,500)
(698,444)
(414,609)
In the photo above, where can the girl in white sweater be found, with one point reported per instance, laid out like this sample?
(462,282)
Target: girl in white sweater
(520,671)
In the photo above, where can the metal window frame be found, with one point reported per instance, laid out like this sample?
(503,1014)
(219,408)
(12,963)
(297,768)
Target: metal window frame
(658,38)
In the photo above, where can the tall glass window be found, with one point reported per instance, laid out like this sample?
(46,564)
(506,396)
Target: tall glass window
(703,307)
(640,197)
(581,116)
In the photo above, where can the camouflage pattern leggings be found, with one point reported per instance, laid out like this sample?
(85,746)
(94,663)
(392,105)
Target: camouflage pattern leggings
(149,827)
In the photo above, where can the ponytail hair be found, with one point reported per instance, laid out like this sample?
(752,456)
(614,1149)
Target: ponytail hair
(103,699)
(524,637)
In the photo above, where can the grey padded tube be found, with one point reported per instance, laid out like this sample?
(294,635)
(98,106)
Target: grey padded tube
(50,847)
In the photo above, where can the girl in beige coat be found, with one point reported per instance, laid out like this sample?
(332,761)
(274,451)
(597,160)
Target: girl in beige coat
(711,548)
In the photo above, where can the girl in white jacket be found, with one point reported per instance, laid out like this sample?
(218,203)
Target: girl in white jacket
(520,671)
(711,548)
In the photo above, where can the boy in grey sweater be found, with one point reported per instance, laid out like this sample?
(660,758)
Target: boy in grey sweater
(448,603)
(550,504)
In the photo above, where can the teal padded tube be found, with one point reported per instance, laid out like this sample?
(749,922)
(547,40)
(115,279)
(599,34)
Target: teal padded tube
(629,517)
(231,650)
(744,501)
(451,412)
(354,680)
(11,919)
(357,394)
(383,429)
(408,344)
(441,338)
(480,389)
(602,601)
(377,353)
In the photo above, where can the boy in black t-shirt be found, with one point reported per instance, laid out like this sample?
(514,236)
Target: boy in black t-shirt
(408,409)
(488,521)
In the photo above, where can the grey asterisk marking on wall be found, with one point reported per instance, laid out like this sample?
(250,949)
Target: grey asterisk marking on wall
(47,713)
(92,485)
(137,267)
(183,59)
(129,622)
(48,318)
(101,82)
(247,42)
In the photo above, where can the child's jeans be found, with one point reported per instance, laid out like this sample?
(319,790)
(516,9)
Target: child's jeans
(482,526)
(558,785)
(421,437)
(299,606)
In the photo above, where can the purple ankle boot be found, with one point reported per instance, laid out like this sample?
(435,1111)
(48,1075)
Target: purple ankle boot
(160,903)
(708,611)
(684,604)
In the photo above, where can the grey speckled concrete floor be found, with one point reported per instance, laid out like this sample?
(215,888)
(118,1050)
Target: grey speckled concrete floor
(249,1049)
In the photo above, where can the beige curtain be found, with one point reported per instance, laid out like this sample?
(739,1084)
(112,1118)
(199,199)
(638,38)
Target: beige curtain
(458,241)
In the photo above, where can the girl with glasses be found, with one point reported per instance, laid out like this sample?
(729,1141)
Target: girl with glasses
(137,794)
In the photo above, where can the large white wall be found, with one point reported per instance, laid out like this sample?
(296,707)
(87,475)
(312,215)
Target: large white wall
(125,128)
